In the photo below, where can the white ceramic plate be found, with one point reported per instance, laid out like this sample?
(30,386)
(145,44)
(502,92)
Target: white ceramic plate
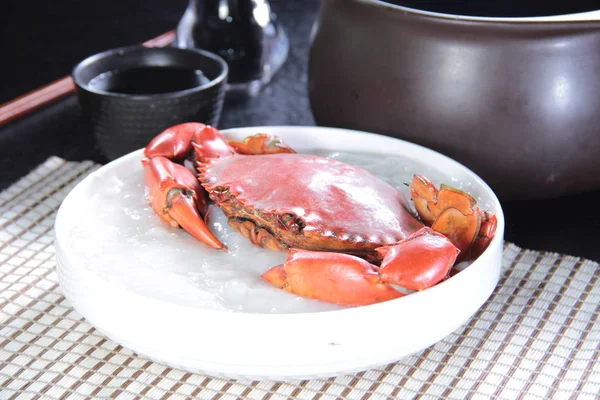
(275,346)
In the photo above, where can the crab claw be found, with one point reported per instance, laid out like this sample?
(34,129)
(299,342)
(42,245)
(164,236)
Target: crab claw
(261,143)
(455,214)
(174,142)
(177,142)
(333,277)
(177,197)
(209,144)
(416,263)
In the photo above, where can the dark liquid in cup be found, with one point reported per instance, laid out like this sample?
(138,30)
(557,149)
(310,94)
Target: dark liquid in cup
(148,80)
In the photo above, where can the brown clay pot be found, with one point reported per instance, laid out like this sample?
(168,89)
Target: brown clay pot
(517,100)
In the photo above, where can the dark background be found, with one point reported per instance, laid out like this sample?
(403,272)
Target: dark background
(43,40)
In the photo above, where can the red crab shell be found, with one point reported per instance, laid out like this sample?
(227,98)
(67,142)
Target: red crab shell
(308,202)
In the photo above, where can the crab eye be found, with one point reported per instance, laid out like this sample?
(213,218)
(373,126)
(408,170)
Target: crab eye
(221,190)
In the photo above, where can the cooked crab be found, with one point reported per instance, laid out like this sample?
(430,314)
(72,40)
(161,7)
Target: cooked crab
(352,238)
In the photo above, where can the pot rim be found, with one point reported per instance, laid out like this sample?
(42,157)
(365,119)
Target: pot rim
(586,16)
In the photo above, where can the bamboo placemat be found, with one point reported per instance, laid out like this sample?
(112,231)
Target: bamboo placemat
(538,336)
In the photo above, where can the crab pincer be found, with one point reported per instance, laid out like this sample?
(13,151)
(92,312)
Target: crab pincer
(177,197)
(416,263)
(172,190)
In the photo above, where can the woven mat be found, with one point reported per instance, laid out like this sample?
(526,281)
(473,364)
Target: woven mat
(538,336)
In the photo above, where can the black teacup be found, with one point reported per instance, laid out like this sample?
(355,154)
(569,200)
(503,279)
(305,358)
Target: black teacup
(131,94)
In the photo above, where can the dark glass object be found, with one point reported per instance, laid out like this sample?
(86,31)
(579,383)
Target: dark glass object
(244,32)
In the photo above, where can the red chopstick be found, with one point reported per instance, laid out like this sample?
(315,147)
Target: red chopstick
(40,97)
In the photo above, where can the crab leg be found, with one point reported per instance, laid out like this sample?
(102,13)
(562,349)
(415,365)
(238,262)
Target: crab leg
(416,263)
(261,143)
(486,234)
(455,214)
